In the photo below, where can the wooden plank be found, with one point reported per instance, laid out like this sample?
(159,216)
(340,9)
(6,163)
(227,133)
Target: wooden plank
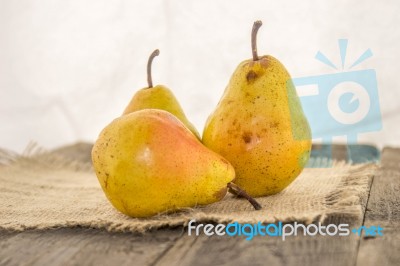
(77,246)
(383,210)
(354,153)
(262,251)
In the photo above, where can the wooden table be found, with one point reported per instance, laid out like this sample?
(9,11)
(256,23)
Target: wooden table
(83,246)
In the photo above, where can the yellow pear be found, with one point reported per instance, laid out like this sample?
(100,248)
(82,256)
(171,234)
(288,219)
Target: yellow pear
(259,126)
(148,162)
(158,97)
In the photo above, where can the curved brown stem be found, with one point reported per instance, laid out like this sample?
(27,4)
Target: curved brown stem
(254,31)
(235,189)
(153,54)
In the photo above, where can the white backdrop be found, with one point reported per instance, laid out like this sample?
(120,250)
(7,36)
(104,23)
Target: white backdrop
(67,68)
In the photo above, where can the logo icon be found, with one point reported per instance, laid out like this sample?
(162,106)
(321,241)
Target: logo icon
(343,103)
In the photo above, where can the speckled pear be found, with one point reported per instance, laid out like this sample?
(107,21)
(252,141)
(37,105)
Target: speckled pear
(158,97)
(148,162)
(259,126)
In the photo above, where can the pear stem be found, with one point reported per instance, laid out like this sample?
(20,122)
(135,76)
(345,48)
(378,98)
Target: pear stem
(153,54)
(254,31)
(235,189)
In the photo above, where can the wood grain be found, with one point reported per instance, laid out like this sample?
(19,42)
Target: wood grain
(78,246)
(262,251)
(383,209)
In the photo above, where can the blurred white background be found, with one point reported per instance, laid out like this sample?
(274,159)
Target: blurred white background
(67,68)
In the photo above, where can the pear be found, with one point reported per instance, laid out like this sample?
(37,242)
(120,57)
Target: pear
(259,125)
(158,97)
(148,162)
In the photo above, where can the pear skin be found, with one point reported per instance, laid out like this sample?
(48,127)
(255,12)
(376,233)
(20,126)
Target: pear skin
(158,97)
(259,127)
(148,162)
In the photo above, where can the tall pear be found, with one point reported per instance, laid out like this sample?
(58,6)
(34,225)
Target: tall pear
(148,162)
(259,125)
(158,97)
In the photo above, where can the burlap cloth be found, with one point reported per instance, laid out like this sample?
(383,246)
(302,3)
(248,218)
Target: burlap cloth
(49,191)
